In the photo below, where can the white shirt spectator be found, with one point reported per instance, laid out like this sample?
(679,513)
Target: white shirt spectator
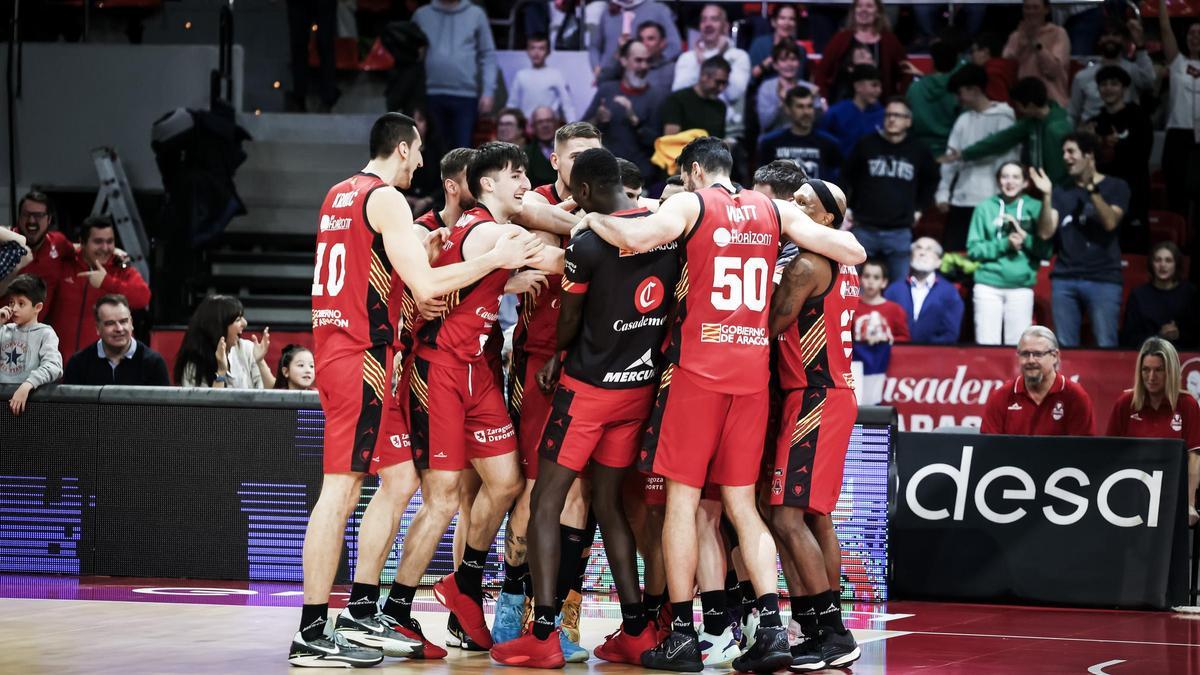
(533,88)
(1184,110)
(974,181)
(243,372)
(920,290)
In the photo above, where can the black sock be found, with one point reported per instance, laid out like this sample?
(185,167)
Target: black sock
(716,617)
(514,578)
(469,575)
(364,600)
(585,554)
(733,592)
(312,620)
(399,602)
(804,612)
(749,600)
(633,617)
(653,602)
(543,621)
(768,611)
(682,620)
(829,611)
(571,550)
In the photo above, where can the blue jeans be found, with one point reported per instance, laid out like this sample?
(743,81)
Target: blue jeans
(1071,297)
(455,117)
(893,246)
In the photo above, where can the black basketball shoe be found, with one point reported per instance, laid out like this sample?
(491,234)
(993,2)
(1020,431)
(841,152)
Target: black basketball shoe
(679,652)
(374,632)
(331,651)
(768,654)
(807,655)
(838,649)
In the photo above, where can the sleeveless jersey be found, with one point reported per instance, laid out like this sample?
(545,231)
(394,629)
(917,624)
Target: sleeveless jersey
(462,331)
(720,333)
(624,312)
(352,278)
(815,351)
(402,306)
(537,323)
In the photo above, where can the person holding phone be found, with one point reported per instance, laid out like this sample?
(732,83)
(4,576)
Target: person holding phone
(1009,236)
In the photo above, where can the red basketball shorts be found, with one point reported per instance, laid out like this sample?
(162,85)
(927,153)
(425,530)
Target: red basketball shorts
(365,425)
(810,453)
(528,407)
(591,423)
(696,435)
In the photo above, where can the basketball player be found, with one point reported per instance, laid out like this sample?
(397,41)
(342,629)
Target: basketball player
(365,232)
(450,375)
(709,420)
(614,309)
(812,313)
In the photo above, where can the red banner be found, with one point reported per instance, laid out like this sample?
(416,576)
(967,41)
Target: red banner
(934,387)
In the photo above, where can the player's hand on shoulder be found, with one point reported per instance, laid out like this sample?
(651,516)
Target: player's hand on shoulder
(584,224)
(517,248)
(434,241)
(527,281)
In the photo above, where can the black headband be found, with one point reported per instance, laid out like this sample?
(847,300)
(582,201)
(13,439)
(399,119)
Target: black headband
(822,191)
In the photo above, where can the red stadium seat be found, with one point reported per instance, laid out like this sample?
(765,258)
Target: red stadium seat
(345,53)
(1168,226)
(378,59)
(1134,273)
(932,224)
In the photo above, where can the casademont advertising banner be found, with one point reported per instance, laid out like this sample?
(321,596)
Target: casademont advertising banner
(933,387)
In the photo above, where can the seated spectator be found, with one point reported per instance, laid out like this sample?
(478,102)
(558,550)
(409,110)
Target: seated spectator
(699,106)
(544,122)
(617,25)
(1156,408)
(783,31)
(539,84)
(1042,50)
(1010,237)
(460,66)
(510,126)
(1113,45)
(214,354)
(626,111)
(1181,149)
(934,105)
(1126,140)
(13,256)
(95,272)
(1168,307)
(816,152)
(771,93)
(117,357)
(1087,274)
(30,349)
(53,254)
(714,41)
(853,118)
(1041,126)
(296,369)
(661,74)
(931,304)
(973,182)
(1040,401)
(867,39)
(891,178)
(986,52)
(878,324)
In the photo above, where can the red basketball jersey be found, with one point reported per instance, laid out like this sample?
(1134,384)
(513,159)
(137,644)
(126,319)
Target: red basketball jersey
(720,333)
(462,331)
(402,308)
(815,351)
(536,331)
(352,279)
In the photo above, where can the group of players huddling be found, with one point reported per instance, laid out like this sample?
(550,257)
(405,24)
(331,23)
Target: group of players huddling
(651,347)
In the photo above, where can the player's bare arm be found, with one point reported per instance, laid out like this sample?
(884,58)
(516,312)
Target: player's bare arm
(570,317)
(487,235)
(538,214)
(805,276)
(839,245)
(674,219)
(388,212)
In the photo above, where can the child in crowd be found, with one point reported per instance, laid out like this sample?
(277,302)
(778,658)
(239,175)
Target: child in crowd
(28,349)
(877,325)
(541,85)
(296,368)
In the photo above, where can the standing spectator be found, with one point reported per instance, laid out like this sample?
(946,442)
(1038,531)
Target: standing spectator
(53,253)
(539,84)
(1113,44)
(297,370)
(544,122)
(510,126)
(29,348)
(13,256)
(783,31)
(699,106)
(714,41)
(853,118)
(1140,412)
(117,357)
(867,39)
(97,271)
(815,151)
(662,70)
(1040,401)
(1041,126)
(1126,140)
(303,16)
(987,52)
(626,111)
(934,105)
(891,178)
(1041,49)
(460,66)
(930,23)
(1087,274)
(932,305)
(1168,307)
(966,184)
(1183,111)
(214,354)
(617,27)
(878,324)
(1010,237)
(786,56)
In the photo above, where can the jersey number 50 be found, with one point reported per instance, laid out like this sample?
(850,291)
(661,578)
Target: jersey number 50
(737,283)
(335,273)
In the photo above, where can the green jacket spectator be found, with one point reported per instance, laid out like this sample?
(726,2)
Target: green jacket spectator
(934,106)
(1041,126)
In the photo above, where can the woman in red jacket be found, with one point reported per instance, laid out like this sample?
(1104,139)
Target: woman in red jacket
(867,38)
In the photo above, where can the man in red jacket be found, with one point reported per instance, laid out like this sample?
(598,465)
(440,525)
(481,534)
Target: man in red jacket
(94,272)
(53,253)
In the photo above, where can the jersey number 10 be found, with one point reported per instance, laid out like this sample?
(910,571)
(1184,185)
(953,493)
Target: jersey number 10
(335,275)
(737,283)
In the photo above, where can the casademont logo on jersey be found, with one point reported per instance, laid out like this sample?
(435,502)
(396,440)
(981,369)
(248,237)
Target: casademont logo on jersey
(493,435)
(343,199)
(737,335)
(331,224)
